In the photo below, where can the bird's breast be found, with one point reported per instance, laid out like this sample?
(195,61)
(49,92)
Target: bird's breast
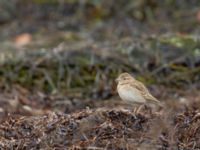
(130,94)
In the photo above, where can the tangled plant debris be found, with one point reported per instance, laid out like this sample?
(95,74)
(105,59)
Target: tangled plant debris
(102,128)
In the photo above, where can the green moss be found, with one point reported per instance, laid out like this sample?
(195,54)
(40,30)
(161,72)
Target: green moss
(180,41)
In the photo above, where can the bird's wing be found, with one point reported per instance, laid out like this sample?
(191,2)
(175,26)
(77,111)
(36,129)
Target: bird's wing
(144,91)
(139,86)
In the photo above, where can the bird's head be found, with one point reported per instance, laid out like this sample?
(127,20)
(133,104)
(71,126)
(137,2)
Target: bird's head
(124,77)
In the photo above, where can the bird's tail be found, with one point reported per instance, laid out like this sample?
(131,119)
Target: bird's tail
(155,101)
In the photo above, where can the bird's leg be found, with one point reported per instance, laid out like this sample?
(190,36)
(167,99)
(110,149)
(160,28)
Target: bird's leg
(139,108)
(135,110)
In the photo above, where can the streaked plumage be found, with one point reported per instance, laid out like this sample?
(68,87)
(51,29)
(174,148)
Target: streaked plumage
(133,91)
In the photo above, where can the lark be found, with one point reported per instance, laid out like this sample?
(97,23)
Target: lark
(134,92)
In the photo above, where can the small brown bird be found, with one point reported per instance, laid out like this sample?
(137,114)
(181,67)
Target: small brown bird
(133,91)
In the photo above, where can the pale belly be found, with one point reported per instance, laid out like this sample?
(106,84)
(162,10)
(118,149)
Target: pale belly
(131,95)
